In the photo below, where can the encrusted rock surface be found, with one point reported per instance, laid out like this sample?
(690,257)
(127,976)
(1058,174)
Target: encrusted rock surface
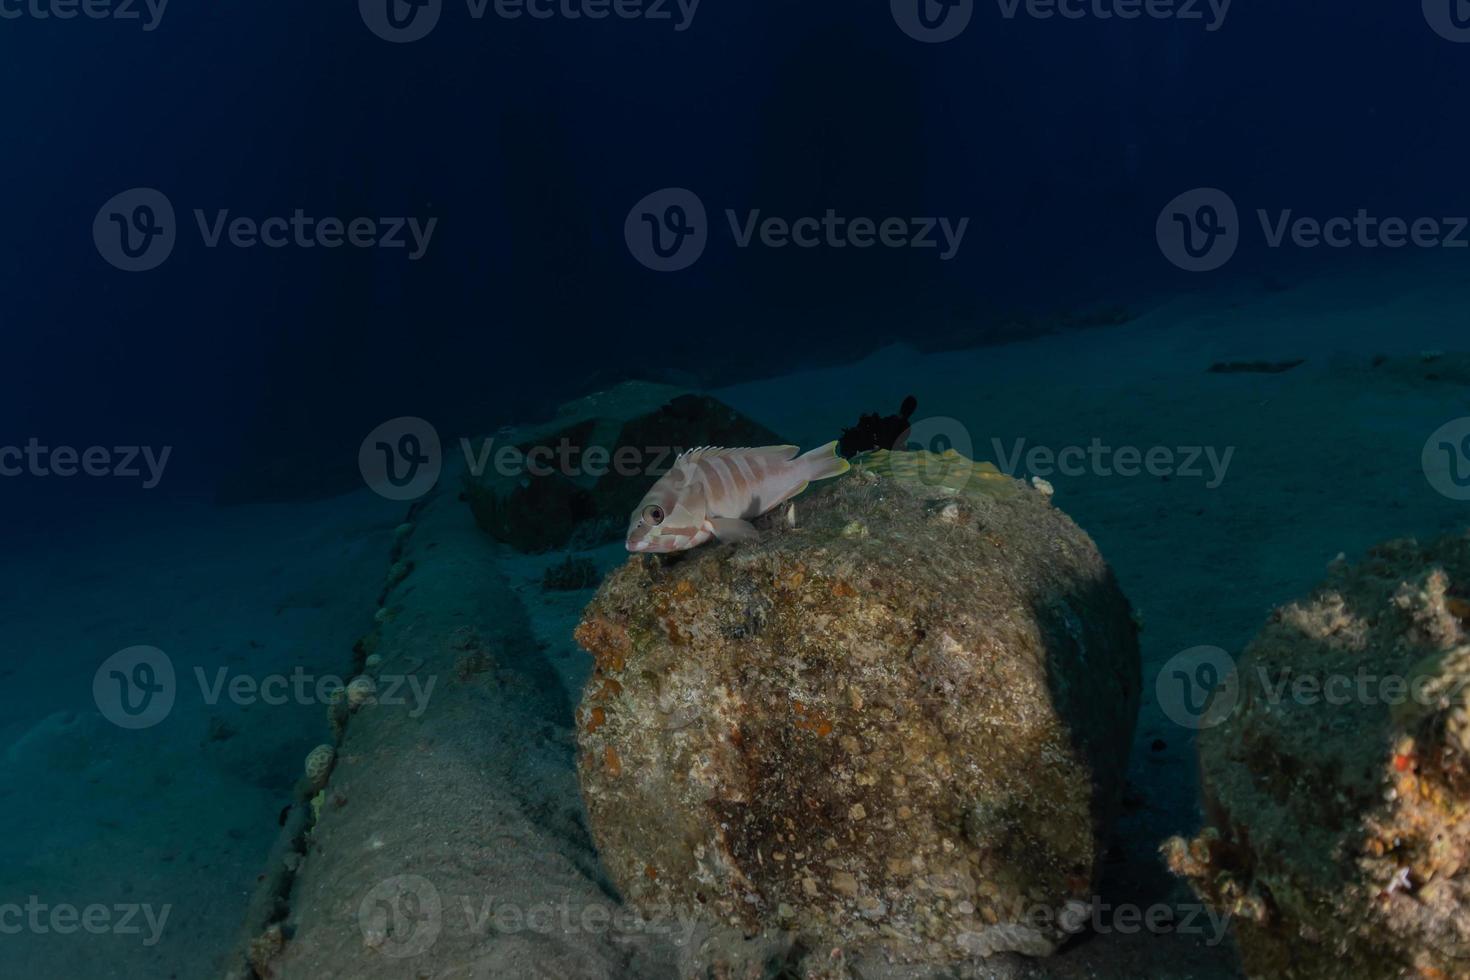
(1337,779)
(900,725)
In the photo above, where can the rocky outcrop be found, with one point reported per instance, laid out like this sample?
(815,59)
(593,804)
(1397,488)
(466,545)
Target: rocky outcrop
(1337,777)
(897,722)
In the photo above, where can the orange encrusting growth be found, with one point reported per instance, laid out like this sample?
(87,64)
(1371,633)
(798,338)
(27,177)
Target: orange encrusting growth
(809,721)
(606,641)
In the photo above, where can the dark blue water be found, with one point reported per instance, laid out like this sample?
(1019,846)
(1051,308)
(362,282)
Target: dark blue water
(529,141)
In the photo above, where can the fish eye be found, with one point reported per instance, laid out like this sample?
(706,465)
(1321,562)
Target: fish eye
(653,514)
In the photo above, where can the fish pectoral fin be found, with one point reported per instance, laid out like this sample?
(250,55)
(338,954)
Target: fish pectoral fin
(733,529)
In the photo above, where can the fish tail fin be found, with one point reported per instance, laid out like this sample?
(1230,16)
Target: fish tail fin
(824,462)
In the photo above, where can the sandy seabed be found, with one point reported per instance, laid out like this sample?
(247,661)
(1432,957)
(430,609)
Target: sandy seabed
(476,793)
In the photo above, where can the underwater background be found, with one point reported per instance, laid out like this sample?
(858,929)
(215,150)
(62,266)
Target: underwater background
(245,247)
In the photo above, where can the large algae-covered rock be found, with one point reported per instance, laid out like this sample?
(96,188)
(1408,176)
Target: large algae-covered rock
(586,469)
(900,725)
(1337,777)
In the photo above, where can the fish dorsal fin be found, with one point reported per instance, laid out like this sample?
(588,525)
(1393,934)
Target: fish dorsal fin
(786,453)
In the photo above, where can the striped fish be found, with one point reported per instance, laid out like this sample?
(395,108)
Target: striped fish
(717,493)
